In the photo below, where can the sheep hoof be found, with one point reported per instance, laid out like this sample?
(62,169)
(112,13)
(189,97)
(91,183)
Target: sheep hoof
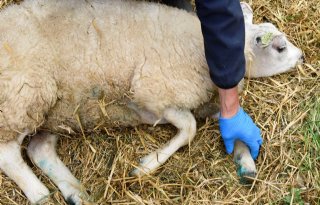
(147,164)
(246,168)
(246,175)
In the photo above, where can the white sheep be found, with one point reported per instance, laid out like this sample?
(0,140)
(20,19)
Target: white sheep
(101,63)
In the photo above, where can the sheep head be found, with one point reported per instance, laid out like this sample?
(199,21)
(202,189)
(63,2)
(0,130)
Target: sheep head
(268,51)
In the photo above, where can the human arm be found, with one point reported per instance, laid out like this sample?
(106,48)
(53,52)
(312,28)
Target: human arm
(222,26)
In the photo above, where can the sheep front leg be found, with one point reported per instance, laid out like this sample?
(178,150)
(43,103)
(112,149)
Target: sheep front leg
(16,169)
(42,151)
(185,122)
(244,161)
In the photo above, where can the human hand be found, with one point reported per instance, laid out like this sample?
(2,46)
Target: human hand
(240,127)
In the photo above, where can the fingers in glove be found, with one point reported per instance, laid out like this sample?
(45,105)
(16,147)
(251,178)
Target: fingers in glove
(229,144)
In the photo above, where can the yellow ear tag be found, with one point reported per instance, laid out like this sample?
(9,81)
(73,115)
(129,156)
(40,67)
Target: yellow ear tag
(266,39)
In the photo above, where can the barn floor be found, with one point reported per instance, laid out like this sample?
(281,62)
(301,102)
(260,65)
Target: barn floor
(286,107)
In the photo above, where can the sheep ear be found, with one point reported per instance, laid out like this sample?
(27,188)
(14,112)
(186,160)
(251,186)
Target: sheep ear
(247,12)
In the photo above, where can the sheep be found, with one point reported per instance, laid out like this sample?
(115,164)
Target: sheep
(109,63)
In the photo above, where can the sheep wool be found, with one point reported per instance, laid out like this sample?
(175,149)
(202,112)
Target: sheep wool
(65,63)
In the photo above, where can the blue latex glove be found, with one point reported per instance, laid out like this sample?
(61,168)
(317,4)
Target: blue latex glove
(240,127)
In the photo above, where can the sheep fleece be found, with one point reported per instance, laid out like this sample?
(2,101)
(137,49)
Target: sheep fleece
(65,62)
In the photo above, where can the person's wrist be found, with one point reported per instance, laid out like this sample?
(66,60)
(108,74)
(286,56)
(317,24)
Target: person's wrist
(229,102)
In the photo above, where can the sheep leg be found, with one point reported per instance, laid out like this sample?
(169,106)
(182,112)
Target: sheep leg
(245,163)
(42,150)
(16,169)
(186,124)
(146,117)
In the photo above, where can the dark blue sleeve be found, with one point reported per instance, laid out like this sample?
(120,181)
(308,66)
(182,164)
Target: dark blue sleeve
(223,31)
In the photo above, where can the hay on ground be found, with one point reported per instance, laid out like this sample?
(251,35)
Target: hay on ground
(286,107)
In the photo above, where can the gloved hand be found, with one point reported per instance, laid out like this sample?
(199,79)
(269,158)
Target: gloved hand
(240,127)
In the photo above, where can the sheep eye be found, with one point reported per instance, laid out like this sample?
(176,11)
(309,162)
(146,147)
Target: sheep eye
(258,40)
(281,49)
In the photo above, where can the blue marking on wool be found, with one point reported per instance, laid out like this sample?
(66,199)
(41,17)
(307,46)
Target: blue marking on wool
(47,167)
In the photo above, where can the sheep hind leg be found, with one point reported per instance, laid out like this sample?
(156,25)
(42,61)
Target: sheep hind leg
(42,151)
(13,165)
(246,166)
(186,124)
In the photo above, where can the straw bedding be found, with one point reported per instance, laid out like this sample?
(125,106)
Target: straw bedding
(286,107)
